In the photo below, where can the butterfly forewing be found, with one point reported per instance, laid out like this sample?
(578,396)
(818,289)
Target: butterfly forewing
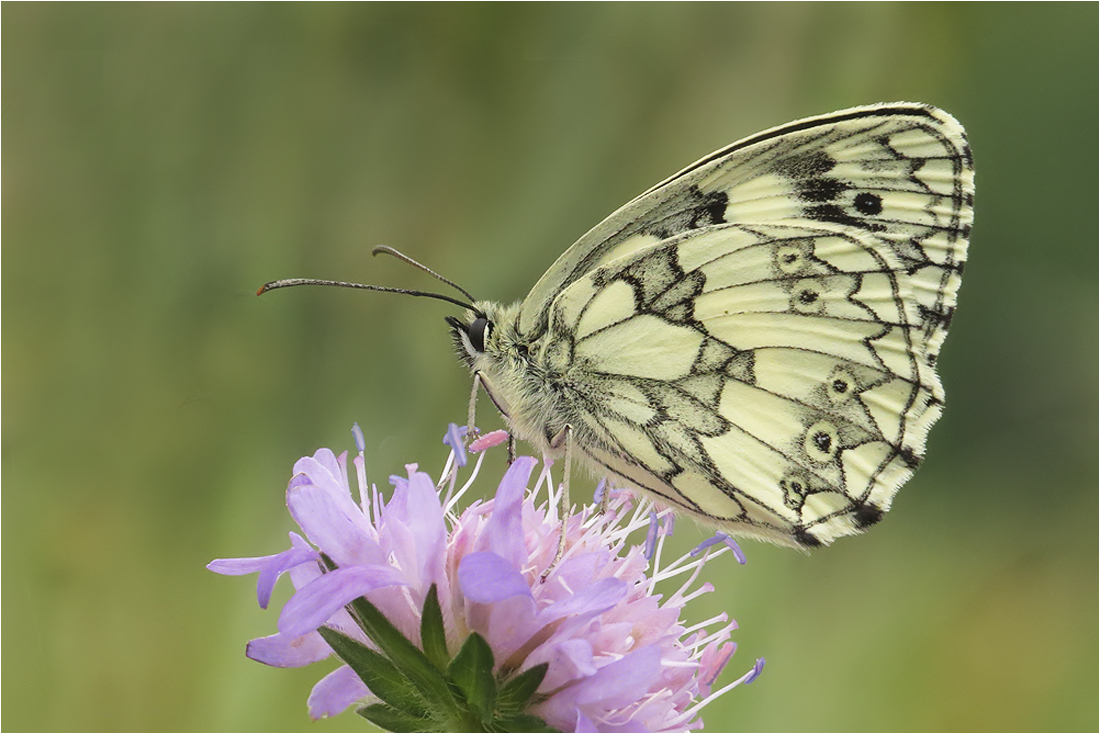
(753,340)
(901,171)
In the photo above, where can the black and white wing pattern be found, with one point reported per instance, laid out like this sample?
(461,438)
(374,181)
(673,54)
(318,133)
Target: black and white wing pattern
(753,341)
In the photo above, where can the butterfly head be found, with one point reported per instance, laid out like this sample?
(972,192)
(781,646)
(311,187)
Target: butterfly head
(485,335)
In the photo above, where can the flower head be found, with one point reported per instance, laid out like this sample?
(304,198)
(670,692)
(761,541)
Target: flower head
(443,619)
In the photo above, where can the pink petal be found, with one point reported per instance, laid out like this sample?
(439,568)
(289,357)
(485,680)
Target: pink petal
(711,663)
(335,692)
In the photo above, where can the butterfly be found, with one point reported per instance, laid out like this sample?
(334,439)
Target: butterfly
(753,340)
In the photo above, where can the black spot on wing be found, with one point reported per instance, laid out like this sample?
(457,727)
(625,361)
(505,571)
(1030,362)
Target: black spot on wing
(805,539)
(867,515)
(691,210)
(911,458)
(869,204)
(711,210)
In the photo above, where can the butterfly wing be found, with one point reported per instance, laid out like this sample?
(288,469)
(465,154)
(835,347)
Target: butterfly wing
(765,361)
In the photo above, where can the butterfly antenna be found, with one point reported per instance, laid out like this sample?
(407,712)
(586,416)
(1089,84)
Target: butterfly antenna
(289,282)
(405,258)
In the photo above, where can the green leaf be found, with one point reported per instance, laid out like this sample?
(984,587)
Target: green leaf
(405,656)
(515,693)
(521,722)
(472,671)
(380,675)
(433,637)
(416,666)
(387,717)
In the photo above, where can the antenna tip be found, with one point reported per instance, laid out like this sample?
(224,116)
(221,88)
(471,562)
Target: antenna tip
(262,289)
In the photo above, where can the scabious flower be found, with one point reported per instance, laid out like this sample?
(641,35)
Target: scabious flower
(445,622)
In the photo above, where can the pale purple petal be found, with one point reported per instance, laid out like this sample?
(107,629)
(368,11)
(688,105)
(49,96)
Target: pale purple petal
(594,599)
(320,467)
(425,521)
(486,578)
(508,626)
(324,471)
(617,684)
(335,692)
(504,533)
(334,523)
(239,566)
(312,606)
(577,571)
(301,553)
(270,567)
(397,505)
(577,654)
(304,574)
(584,724)
(287,651)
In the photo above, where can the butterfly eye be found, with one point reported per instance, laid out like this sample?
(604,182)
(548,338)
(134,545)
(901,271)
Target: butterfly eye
(478,332)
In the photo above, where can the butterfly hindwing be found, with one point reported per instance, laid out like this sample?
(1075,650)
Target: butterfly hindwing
(767,377)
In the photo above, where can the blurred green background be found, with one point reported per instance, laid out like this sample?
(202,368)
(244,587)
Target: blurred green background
(162,161)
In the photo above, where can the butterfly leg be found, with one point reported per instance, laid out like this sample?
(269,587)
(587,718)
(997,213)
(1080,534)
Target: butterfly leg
(471,413)
(471,429)
(564,437)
